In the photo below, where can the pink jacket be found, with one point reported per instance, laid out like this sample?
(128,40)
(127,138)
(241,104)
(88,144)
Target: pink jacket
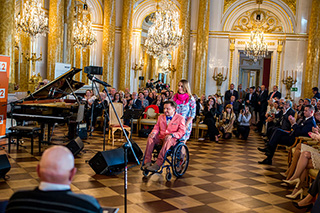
(176,126)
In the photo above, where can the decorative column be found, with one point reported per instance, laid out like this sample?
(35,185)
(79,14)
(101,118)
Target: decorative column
(232,48)
(279,51)
(24,64)
(55,37)
(109,28)
(125,52)
(200,73)
(69,20)
(7,25)
(183,55)
(313,60)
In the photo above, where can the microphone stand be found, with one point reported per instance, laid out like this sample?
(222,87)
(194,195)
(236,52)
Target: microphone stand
(125,147)
(94,85)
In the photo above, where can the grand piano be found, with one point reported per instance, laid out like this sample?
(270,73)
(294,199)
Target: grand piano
(47,105)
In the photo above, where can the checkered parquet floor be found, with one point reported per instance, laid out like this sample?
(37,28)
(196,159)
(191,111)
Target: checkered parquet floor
(221,178)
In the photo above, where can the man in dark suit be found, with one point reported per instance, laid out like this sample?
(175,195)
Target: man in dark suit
(315,92)
(235,104)
(136,103)
(262,105)
(284,119)
(149,84)
(275,93)
(55,170)
(231,92)
(251,101)
(242,94)
(287,137)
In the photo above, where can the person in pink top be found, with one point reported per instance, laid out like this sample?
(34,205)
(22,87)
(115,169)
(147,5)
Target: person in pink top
(169,128)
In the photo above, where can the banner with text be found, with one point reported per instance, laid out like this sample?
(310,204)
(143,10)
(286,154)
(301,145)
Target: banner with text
(4,82)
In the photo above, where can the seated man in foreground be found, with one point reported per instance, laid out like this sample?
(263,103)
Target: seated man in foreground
(55,170)
(288,137)
(169,128)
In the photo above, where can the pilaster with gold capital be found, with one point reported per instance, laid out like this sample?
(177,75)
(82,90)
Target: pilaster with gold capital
(69,20)
(55,36)
(200,72)
(231,48)
(279,51)
(125,52)
(109,30)
(183,54)
(313,61)
(7,26)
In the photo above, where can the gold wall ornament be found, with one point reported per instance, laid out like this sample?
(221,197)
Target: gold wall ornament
(227,4)
(126,45)
(231,48)
(200,72)
(247,22)
(313,61)
(108,40)
(289,80)
(55,37)
(183,54)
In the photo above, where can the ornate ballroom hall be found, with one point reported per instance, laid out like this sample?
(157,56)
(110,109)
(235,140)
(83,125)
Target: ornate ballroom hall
(214,43)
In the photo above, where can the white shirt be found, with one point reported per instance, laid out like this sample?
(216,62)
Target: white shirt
(45,186)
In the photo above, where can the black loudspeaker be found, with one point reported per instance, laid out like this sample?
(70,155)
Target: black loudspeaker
(75,146)
(4,165)
(136,150)
(93,70)
(141,77)
(108,162)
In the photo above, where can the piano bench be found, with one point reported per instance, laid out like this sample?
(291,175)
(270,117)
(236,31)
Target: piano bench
(24,131)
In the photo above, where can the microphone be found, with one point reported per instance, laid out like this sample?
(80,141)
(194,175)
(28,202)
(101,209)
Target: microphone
(92,78)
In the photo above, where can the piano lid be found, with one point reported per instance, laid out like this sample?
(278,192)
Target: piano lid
(58,88)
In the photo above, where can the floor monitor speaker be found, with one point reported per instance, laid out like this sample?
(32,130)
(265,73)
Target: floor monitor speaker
(4,165)
(75,146)
(108,162)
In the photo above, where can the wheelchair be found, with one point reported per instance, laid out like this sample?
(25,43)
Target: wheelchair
(177,158)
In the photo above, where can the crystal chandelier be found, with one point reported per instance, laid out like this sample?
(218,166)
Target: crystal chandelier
(256,48)
(164,34)
(32,20)
(83,33)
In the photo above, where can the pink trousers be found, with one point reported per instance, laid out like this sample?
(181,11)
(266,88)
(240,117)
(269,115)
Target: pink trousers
(166,144)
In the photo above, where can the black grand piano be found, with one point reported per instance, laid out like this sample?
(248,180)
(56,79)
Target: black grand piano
(47,106)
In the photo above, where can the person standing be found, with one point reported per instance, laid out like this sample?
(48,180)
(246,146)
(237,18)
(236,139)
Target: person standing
(231,92)
(263,104)
(210,113)
(186,105)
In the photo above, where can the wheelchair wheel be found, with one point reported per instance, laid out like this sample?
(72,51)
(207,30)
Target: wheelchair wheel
(145,173)
(180,159)
(168,176)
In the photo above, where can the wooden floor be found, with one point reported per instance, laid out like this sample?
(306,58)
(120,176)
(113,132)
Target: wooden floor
(221,178)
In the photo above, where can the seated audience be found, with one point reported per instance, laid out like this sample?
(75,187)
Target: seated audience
(144,102)
(56,171)
(159,103)
(244,123)
(287,137)
(210,113)
(170,127)
(116,98)
(227,122)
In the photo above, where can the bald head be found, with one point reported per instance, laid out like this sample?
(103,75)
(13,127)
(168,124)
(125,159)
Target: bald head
(56,165)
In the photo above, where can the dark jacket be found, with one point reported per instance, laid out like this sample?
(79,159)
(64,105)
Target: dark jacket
(253,102)
(317,95)
(285,123)
(304,128)
(263,98)
(277,94)
(228,95)
(137,104)
(236,106)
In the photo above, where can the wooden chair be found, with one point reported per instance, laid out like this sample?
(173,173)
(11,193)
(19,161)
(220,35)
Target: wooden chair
(151,118)
(113,123)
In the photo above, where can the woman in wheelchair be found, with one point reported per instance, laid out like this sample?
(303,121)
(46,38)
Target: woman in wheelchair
(169,128)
